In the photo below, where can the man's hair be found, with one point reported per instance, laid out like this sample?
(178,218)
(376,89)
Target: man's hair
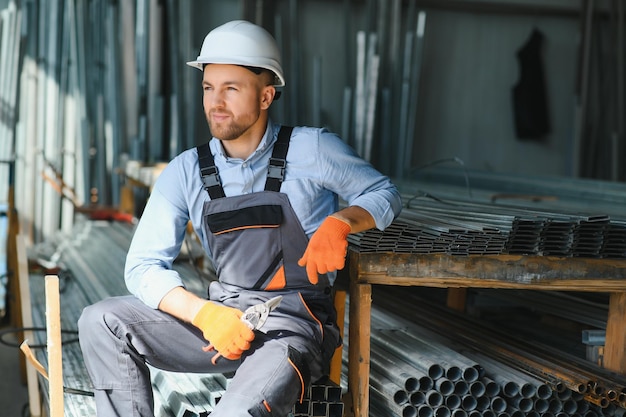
(258,71)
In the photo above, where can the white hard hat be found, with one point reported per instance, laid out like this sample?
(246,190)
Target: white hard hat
(241,43)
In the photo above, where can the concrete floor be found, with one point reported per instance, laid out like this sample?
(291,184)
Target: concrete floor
(13,393)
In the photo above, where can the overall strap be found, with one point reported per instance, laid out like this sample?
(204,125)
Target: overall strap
(275,170)
(209,173)
(278,160)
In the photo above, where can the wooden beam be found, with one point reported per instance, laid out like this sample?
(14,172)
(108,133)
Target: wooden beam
(614,353)
(32,380)
(493,271)
(336,362)
(13,268)
(457,298)
(359,346)
(55,358)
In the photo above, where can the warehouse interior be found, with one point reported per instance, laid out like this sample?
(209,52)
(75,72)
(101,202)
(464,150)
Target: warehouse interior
(500,121)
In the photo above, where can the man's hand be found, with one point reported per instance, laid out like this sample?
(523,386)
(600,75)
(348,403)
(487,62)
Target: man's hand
(223,328)
(327,248)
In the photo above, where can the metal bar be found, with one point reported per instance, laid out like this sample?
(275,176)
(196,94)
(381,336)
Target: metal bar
(10,41)
(112,81)
(294,61)
(155,100)
(316,95)
(414,85)
(619,150)
(580,116)
(67,107)
(404,105)
(372,93)
(359,96)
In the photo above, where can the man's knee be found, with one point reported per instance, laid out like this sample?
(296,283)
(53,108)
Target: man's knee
(89,316)
(93,319)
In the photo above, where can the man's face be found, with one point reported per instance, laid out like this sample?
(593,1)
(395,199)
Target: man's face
(233,99)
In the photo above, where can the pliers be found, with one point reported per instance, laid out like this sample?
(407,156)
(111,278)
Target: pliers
(254,317)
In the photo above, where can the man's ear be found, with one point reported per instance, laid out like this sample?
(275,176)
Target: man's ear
(267,96)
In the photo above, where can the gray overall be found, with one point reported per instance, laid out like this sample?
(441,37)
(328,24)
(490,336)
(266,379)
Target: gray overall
(256,241)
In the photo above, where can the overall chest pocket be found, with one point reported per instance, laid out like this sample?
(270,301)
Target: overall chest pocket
(255,217)
(247,246)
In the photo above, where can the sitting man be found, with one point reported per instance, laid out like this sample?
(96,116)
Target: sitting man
(263,199)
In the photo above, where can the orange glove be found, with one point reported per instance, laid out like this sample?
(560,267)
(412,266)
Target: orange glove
(223,328)
(327,248)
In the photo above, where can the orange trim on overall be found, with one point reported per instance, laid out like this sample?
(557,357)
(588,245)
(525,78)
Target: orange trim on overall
(258,226)
(319,323)
(267,406)
(301,379)
(278,281)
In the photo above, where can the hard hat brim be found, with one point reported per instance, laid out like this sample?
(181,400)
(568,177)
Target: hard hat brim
(199,64)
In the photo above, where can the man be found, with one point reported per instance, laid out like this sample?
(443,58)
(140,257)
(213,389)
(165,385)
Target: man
(264,204)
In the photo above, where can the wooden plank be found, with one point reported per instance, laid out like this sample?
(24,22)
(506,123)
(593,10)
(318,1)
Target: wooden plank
(614,352)
(32,380)
(336,362)
(127,200)
(359,345)
(13,284)
(453,282)
(55,358)
(493,271)
(456,298)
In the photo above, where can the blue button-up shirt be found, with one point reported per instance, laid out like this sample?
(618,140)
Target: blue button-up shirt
(321,168)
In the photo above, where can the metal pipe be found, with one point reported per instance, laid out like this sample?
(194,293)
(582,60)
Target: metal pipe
(416,65)
(452,401)
(417,398)
(469,403)
(396,374)
(459,412)
(423,363)
(442,411)
(359,95)
(444,386)
(404,410)
(434,398)
(425,410)
(477,388)
(461,387)
(483,402)
(317,91)
(389,389)
(498,404)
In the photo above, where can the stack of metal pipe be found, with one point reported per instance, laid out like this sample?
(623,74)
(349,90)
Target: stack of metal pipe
(426,362)
(464,228)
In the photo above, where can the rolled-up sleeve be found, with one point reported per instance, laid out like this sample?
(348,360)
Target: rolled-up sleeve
(357,181)
(157,241)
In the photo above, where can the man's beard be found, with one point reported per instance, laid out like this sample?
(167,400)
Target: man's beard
(228,130)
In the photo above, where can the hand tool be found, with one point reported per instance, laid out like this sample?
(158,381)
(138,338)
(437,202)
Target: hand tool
(254,317)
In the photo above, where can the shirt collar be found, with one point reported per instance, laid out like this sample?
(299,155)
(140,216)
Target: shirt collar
(269,138)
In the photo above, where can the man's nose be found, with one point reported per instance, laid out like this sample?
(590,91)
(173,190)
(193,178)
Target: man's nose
(214,99)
